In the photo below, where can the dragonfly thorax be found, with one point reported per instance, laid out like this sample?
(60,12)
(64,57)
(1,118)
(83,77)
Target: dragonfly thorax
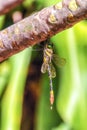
(48,53)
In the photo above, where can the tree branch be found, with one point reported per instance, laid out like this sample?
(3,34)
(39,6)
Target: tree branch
(39,26)
(7,5)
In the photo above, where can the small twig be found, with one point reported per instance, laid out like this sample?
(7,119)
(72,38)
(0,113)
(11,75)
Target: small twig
(39,26)
(7,5)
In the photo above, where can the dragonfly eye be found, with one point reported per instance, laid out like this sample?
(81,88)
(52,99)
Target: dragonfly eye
(49,46)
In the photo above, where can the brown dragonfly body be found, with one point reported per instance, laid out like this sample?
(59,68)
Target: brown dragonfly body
(47,66)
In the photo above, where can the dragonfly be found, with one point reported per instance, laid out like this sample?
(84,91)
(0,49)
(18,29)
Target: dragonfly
(48,58)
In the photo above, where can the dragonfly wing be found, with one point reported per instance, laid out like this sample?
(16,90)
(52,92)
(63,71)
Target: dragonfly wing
(44,68)
(60,62)
(53,71)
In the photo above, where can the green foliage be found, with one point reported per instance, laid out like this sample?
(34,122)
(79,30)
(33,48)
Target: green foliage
(11,103)
(46,118)
(2,21)
(71,101)
(28,3)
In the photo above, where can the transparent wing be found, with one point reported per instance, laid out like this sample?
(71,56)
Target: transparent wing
(60,62)
(44,68)
(53,71)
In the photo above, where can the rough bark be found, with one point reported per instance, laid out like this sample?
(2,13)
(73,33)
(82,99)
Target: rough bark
(7,5)
(40,26)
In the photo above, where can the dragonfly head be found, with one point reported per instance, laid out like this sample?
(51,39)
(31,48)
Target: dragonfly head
(50,45)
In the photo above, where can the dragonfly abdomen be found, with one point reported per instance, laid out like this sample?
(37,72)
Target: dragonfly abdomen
(51,86)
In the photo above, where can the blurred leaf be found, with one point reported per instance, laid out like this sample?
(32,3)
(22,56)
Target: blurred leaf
(5,70)
(72,99)
(46,118)
(11,104)
(51,2)
(48,3)
(81,32)
(2,18)
(62,127)
(27,3)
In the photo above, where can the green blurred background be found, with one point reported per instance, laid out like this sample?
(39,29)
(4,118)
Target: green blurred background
(24,91)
